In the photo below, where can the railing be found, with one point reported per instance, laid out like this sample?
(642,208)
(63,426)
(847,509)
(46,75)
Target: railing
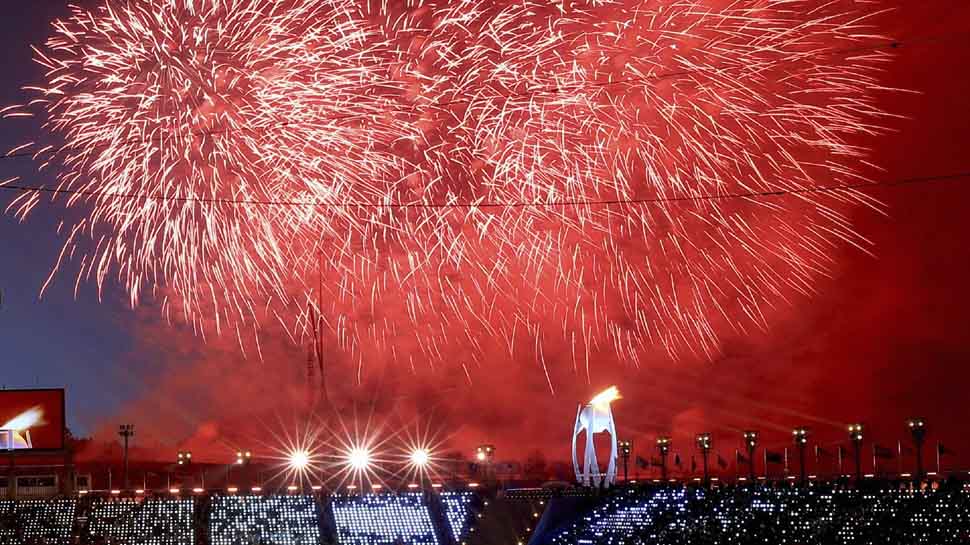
(30,492)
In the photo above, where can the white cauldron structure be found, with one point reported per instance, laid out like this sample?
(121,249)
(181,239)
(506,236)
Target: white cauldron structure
(593,418)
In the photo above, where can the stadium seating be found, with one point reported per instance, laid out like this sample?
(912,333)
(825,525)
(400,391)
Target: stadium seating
(812,516)
(818,515)
(624,515)
(280,520)
(142,522)
(51,521)
(380,519)
(458,512)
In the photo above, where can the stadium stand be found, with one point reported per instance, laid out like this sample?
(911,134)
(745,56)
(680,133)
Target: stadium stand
(777,515)
(280,520)
(504,518)
(30,521)
(381,519)
(804,516)
(626,514)
(458,512)
(152,521)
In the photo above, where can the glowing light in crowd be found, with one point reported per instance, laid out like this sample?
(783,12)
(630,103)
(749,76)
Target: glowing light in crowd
(426,182)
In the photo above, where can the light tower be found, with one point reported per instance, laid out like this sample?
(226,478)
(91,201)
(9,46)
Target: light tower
(626,449)
(126,431)
(485,454)
(663,445)
(800,436)
(751,444)
(855,435)
(917,428)
(704,444)
(596,417)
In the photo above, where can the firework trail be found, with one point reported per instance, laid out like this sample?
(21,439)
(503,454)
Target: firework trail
(369,144)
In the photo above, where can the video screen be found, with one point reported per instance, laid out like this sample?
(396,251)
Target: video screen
(31,419)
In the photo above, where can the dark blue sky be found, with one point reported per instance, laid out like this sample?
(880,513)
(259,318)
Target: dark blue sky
(58,341)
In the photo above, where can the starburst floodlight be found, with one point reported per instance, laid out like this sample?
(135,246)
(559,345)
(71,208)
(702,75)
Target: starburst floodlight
(420,457)
(359,459)
(299,460)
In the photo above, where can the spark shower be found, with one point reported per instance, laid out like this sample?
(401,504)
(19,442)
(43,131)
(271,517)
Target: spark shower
(454,179)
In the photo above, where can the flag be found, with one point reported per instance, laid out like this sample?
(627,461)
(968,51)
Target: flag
(904,451)
(774,457)
(693,464)
(821,452)
(841,451)
(721,462)
(677,460)
(740,458)
(941,450)
(641,463)
(882,452)
(656,463)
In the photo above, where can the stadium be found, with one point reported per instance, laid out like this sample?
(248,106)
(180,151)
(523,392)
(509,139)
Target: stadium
(297,501)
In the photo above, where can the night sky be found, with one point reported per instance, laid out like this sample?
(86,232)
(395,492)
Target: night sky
(887,336)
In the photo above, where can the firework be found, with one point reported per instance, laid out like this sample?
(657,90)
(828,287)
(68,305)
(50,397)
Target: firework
(422,177)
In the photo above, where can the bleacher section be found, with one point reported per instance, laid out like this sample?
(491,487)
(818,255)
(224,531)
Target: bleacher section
(625,516)
(386,519)
(151,521)
(770,515)
(280,520)
(458,512)
(29,521)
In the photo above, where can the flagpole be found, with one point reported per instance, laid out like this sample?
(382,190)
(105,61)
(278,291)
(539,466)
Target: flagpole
(786,461)
(899,456)
(875,468)
(939,472)
(737,474)
(766,464)
(840,462)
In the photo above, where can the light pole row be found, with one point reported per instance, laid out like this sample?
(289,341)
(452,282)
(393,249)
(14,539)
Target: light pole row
(800,436)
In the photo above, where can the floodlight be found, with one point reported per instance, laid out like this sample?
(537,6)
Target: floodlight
(299,459)
(855,432)
(359,459)
(420,457)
